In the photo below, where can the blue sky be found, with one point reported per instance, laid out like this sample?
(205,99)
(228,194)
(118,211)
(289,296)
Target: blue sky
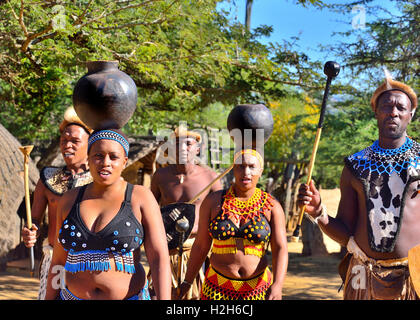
(313,26)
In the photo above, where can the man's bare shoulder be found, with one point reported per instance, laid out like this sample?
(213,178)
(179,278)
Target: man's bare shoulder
(207,170)
(162,171)
(43,192)
(160,175)
(214,196)
(347,177)
(40,186)
(350,187)
(71,194)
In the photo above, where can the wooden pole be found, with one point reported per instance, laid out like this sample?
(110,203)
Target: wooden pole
(331,70)
(26,150)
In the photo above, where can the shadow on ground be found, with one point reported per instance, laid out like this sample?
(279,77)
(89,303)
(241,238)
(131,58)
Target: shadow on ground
(308,278)
(18,285)
(312,278)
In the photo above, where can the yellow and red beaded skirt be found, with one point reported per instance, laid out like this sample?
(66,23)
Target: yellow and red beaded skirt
(219,287)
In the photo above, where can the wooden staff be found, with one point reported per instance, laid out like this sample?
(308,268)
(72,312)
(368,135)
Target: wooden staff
(26,150)
(331,70)
(220,176)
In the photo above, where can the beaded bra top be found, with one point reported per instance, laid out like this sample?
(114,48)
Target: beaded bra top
(386,175)
(59,180)
(254,227)
(90,251)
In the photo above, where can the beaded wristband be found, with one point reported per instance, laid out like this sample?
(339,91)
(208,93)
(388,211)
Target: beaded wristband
(323,214)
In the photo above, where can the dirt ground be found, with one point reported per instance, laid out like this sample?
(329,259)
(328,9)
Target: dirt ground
(313,278)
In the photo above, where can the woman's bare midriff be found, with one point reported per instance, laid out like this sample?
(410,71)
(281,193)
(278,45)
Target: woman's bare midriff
(238,265)
(107,285)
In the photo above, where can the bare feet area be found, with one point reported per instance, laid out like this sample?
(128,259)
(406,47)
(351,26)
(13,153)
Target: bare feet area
(308,278)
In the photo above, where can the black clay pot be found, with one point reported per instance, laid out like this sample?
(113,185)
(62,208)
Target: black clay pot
(105,97)
(251,116)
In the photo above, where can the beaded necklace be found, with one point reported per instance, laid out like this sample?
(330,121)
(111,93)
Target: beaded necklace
(243,211)
(379,160)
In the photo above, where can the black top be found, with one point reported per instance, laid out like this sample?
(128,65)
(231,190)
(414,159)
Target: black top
(256,230)
(124,233)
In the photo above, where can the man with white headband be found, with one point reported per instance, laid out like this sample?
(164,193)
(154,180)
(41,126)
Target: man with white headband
(378,218)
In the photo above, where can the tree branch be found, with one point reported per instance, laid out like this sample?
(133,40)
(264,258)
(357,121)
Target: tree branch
(80,18)
(21,22)
(33,36)
(104,14)
(131,24)
(252,68)
(371,61)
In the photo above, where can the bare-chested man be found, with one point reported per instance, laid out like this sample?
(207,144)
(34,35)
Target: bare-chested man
(180,182)
(378,218)
(54,181)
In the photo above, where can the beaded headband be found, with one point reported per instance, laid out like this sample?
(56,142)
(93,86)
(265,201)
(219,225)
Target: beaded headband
(109,135)
(253,152)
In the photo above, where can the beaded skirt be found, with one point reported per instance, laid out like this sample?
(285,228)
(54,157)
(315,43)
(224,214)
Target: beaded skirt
(219,287)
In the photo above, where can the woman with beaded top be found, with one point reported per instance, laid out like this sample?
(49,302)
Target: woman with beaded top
(101,227)
(238,224)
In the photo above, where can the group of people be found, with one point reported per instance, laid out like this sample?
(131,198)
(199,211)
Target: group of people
(98,221)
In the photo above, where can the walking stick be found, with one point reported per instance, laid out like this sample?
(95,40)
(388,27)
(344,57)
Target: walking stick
(26,150)
(331,70)
(181,226)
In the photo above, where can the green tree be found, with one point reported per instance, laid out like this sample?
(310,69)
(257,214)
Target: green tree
(182,55)
(390,40)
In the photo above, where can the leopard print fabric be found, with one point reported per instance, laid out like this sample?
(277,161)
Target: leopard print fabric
(59,180)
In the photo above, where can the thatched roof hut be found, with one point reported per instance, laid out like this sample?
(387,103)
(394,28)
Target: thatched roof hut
(141,160)
(12,192)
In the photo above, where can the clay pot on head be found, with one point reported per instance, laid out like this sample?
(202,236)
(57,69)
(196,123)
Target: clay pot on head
(257,118)
(105,97)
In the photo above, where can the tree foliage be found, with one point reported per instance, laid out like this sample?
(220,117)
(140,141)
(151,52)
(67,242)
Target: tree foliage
(192,63)
(183,56)
(391,41)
